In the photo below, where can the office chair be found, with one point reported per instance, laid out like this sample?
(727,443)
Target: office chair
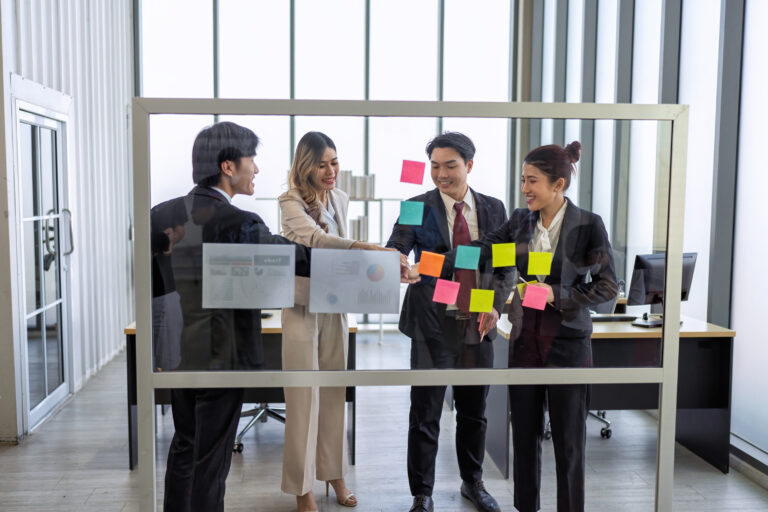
(607,307)
(259,413)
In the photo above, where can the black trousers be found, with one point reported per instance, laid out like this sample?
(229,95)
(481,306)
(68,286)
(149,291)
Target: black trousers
(450,351)
(201,450)
(568,420)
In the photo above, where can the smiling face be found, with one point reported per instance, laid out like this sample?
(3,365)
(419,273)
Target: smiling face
(539,192)
(323,177)
(241,175)
(449,172)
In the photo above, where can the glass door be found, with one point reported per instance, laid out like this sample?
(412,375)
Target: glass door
(46,242)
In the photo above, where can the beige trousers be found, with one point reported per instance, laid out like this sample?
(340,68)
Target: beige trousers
(314,421)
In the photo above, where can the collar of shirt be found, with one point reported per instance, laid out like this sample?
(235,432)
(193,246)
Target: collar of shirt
(469,202)
(226,196)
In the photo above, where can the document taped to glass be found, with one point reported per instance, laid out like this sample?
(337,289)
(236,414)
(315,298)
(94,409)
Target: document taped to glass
(352,281)
(248,276)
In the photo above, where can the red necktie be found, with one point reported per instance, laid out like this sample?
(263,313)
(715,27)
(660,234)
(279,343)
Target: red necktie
(466,277)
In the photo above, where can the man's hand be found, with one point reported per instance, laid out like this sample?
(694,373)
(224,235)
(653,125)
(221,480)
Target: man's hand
(408,274)
(487,322)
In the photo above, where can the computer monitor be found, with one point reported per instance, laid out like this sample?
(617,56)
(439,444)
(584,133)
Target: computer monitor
(647,285)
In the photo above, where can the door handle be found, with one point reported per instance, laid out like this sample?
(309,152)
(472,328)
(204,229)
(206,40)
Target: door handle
(71,238)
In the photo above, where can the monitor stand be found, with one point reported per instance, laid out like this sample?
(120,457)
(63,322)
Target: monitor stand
(650,320)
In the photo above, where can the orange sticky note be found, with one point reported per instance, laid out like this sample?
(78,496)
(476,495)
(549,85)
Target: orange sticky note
(431,264)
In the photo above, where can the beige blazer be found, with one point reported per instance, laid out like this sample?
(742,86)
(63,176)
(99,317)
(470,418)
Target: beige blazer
(298,226)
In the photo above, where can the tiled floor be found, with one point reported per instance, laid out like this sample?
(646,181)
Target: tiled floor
(78,460)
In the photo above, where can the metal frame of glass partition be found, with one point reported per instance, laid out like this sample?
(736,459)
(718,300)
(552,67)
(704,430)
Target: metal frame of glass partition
(666,375)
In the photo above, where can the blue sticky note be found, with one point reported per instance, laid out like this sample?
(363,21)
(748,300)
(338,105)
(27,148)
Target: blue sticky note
(411,213)
(467,256)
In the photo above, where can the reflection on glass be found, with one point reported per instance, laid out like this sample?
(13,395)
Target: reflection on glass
(51,276)
(54,348)
(27,155)
(32,265)
(48,171)
(35,360)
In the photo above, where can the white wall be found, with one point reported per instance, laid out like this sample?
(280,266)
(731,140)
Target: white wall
(698,89)
(81,48)
(750,379)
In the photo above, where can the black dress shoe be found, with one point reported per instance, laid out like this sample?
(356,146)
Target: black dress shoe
(422,503)
(476,493)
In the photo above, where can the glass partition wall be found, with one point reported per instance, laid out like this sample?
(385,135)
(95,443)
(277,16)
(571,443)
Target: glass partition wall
(646,245)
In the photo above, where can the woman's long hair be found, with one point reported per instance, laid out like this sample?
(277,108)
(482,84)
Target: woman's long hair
(309,152)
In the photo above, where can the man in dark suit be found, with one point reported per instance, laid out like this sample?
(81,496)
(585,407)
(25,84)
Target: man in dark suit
(214,339)
(450,336)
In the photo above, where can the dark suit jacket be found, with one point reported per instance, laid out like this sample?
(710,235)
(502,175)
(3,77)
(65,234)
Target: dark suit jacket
(560,334)
(421,317)
(219,339)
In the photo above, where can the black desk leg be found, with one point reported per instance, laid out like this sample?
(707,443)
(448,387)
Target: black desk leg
(133,445)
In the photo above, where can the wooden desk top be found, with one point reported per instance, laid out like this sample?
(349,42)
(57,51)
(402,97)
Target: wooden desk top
(690,328)
(269,325)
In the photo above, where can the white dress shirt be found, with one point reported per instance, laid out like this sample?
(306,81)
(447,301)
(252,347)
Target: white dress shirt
(226,196)
(470,215)
(329,217)
(545,239)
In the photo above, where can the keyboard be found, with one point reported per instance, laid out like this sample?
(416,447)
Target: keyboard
(597,317)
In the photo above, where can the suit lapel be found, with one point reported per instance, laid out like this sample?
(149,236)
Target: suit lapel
(436,202)
(481,209)
(571,221)
(341,215)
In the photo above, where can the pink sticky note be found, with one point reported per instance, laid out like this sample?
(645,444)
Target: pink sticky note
(535,297)
(446,291)
(413,172)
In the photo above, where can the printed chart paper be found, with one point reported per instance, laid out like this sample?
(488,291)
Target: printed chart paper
(351,281)
(248,276)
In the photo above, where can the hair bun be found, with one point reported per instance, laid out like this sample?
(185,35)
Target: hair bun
(574,151)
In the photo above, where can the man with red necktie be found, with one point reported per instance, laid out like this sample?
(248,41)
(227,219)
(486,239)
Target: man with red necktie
(449,336)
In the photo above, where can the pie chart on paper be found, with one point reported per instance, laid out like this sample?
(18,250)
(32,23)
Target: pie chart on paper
(375,272)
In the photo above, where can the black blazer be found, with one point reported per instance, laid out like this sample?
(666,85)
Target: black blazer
(562,331)
(421,317)
(219,339)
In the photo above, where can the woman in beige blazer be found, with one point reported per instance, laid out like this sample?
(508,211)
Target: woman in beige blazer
(314,213)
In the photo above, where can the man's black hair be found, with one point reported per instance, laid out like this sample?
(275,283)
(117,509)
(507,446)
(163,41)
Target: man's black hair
(458,141)
(216,144)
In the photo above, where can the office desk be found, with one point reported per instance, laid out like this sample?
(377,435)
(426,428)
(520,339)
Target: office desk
(271,331)
(703,392)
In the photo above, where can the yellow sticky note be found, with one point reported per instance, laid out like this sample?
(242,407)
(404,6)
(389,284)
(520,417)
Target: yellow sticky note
(539,263)
(522,286)
(503,255)
(481,301)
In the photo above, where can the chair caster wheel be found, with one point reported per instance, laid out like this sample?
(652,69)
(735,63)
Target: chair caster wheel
(605,433)
(238,448)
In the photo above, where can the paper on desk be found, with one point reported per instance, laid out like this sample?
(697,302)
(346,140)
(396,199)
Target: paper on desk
(248,276)
(535,297)
(481,301)
(351,281)
(412,172)
(446,291)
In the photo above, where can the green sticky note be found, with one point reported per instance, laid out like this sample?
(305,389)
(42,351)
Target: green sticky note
(503,255)
(481,301)
(539,263)
(467,256)
(411,213)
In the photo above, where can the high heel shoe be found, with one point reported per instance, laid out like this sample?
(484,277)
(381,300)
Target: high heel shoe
(305,510)
(348,500)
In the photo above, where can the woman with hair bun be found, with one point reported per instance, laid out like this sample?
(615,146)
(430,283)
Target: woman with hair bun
(581,276)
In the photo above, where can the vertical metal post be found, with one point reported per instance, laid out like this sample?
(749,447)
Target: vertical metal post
(524,53)
(215,54)
(561,62)
(726,160)
(587,129)
(537,62)
(665,459)
(292,80)
(625,35)
(440,56)
(512,93)
(144,388)
(137,47)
